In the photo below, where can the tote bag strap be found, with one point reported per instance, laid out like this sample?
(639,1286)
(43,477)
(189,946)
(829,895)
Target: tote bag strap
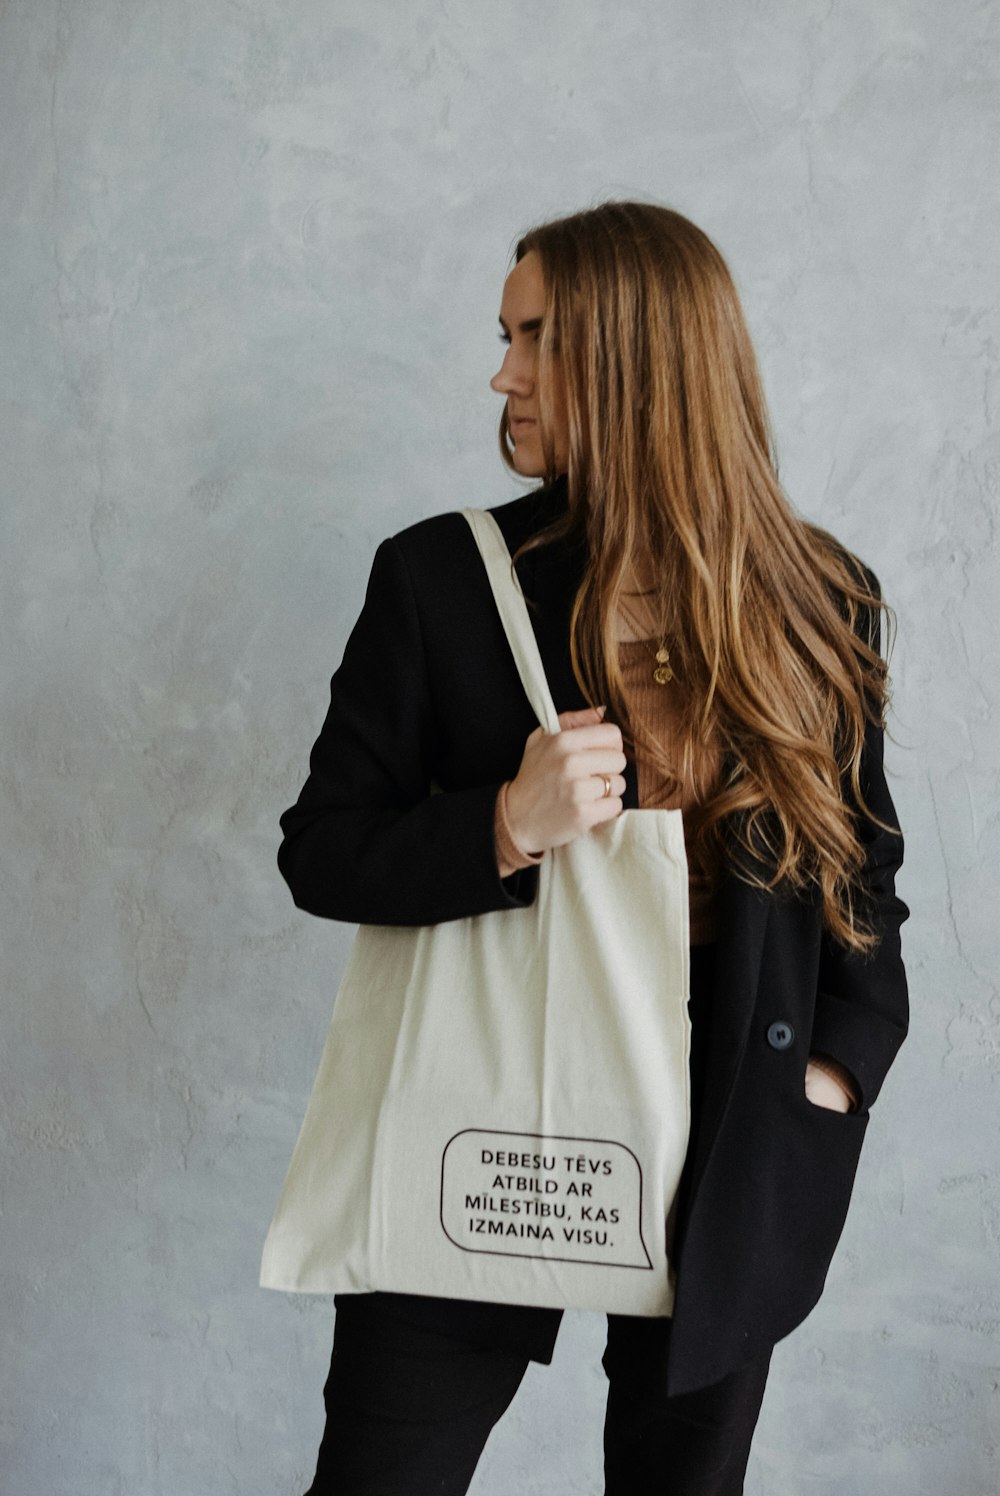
(514,615)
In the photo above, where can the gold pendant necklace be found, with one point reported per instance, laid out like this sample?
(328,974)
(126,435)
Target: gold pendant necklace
(663,671)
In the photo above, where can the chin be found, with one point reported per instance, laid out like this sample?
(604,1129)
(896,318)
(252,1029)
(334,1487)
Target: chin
(528,467)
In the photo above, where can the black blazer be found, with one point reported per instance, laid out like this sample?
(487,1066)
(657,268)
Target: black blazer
(428,691)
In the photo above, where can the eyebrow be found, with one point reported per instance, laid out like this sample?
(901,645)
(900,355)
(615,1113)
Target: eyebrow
(531,325)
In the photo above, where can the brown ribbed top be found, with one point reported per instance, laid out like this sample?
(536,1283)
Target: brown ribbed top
(654,707)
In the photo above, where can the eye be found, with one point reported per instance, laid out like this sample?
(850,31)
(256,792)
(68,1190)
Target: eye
(504,337)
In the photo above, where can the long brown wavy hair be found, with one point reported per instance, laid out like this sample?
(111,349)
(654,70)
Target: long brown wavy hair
(672,470)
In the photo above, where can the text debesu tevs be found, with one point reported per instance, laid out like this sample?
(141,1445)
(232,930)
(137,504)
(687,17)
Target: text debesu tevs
(575,1199)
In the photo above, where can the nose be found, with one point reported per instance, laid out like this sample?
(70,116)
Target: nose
(514,376)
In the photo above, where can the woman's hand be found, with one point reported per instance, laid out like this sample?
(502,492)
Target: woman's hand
(822,1089)
(558,793)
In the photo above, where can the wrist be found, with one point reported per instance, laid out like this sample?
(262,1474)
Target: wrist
(510,856)
(508,812)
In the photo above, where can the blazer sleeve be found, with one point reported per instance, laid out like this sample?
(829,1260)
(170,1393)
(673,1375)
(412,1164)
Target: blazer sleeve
(862,1006)
(372,839)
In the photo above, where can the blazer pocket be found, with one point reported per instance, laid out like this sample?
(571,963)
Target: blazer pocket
(821,1151)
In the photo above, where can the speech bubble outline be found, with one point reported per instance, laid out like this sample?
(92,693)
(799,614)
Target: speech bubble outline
(544,1139)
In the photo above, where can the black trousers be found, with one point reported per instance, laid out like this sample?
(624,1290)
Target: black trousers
(416,1384)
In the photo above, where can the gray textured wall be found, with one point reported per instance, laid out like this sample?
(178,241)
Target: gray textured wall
(252,253)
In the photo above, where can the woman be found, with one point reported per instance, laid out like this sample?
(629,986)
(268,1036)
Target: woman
(735,652)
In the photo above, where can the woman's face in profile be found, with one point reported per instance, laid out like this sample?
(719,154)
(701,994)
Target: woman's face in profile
(522,308)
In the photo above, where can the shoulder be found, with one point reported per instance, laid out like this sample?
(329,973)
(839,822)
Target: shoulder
(434,545)
(858,571)
(859,594)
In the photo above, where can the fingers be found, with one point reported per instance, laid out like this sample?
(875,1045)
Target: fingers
(582,716)
(584,729)
(617,782)
(601,807)
(581,763)
(559,791)
(589,747)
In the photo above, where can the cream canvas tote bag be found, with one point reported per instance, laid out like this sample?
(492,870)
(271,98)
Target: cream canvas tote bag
(502,1106)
